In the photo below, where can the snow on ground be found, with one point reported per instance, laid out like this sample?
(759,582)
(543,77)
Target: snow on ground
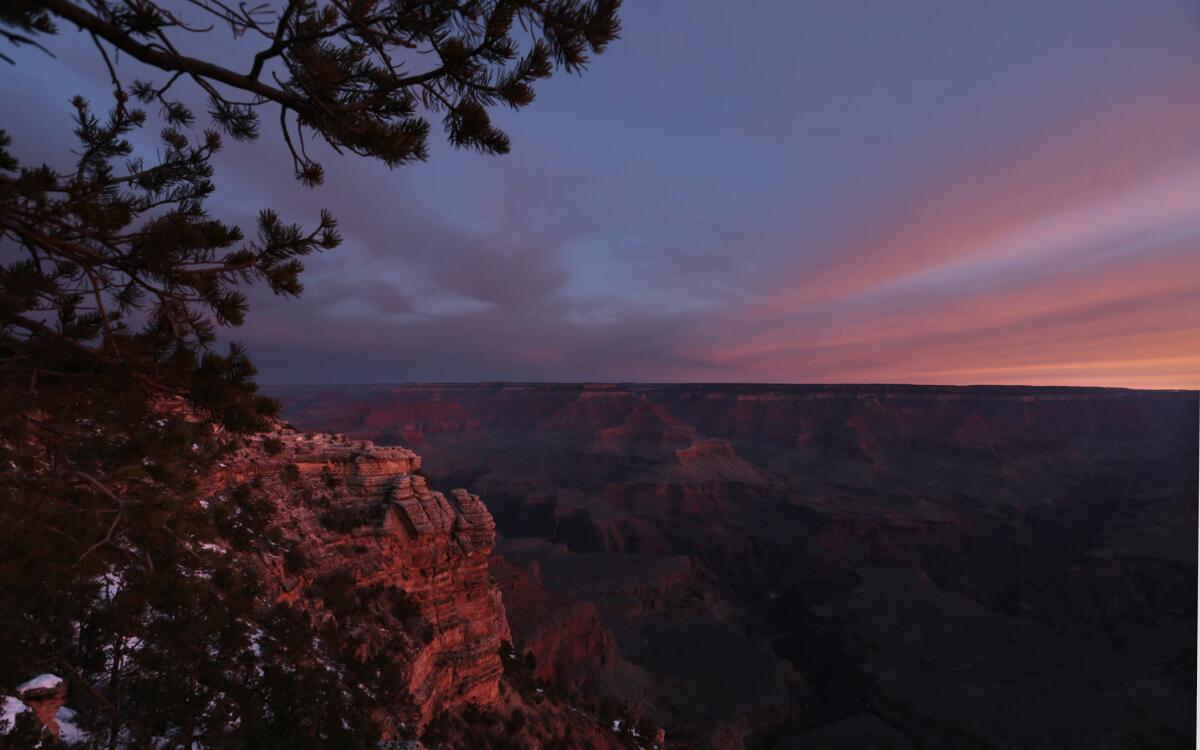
(68,731)
(9,711)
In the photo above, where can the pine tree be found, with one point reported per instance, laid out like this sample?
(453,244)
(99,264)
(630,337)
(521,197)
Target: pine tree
(363,75)
(114,283)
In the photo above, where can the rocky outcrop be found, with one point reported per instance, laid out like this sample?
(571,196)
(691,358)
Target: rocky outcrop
(44,695)
(712,460)
(359,522)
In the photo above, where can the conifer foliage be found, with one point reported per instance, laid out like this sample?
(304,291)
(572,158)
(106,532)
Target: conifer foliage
(363,75)
(114,283)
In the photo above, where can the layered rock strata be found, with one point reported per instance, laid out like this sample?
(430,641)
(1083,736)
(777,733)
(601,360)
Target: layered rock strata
(362,515)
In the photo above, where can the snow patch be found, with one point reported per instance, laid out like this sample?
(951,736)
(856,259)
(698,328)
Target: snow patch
(41,682)
(68,731)
(110,584)
(9,711)
(256,642)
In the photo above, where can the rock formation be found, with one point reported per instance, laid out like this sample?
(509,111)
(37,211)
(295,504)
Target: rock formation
(363,516)
(44,695)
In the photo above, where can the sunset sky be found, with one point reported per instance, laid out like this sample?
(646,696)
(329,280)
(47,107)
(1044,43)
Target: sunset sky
(922,192)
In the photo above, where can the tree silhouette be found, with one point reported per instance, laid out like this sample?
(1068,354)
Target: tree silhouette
(114,282)
(361,74)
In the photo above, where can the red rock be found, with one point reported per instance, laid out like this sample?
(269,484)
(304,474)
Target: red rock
(390,531)
(44,695)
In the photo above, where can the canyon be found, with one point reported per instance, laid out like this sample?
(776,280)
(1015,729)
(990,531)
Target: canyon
(398,578)
(783,566)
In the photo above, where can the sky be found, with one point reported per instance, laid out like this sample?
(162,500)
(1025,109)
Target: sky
(930,191)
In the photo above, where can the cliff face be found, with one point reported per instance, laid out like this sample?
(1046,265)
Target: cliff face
(370,543)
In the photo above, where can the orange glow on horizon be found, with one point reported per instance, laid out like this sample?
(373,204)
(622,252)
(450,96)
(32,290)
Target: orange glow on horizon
(1045,267)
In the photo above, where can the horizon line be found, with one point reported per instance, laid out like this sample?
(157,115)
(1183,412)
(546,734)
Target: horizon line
(729,384)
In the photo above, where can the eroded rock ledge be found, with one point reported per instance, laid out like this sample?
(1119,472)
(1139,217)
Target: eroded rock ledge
(360,516)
